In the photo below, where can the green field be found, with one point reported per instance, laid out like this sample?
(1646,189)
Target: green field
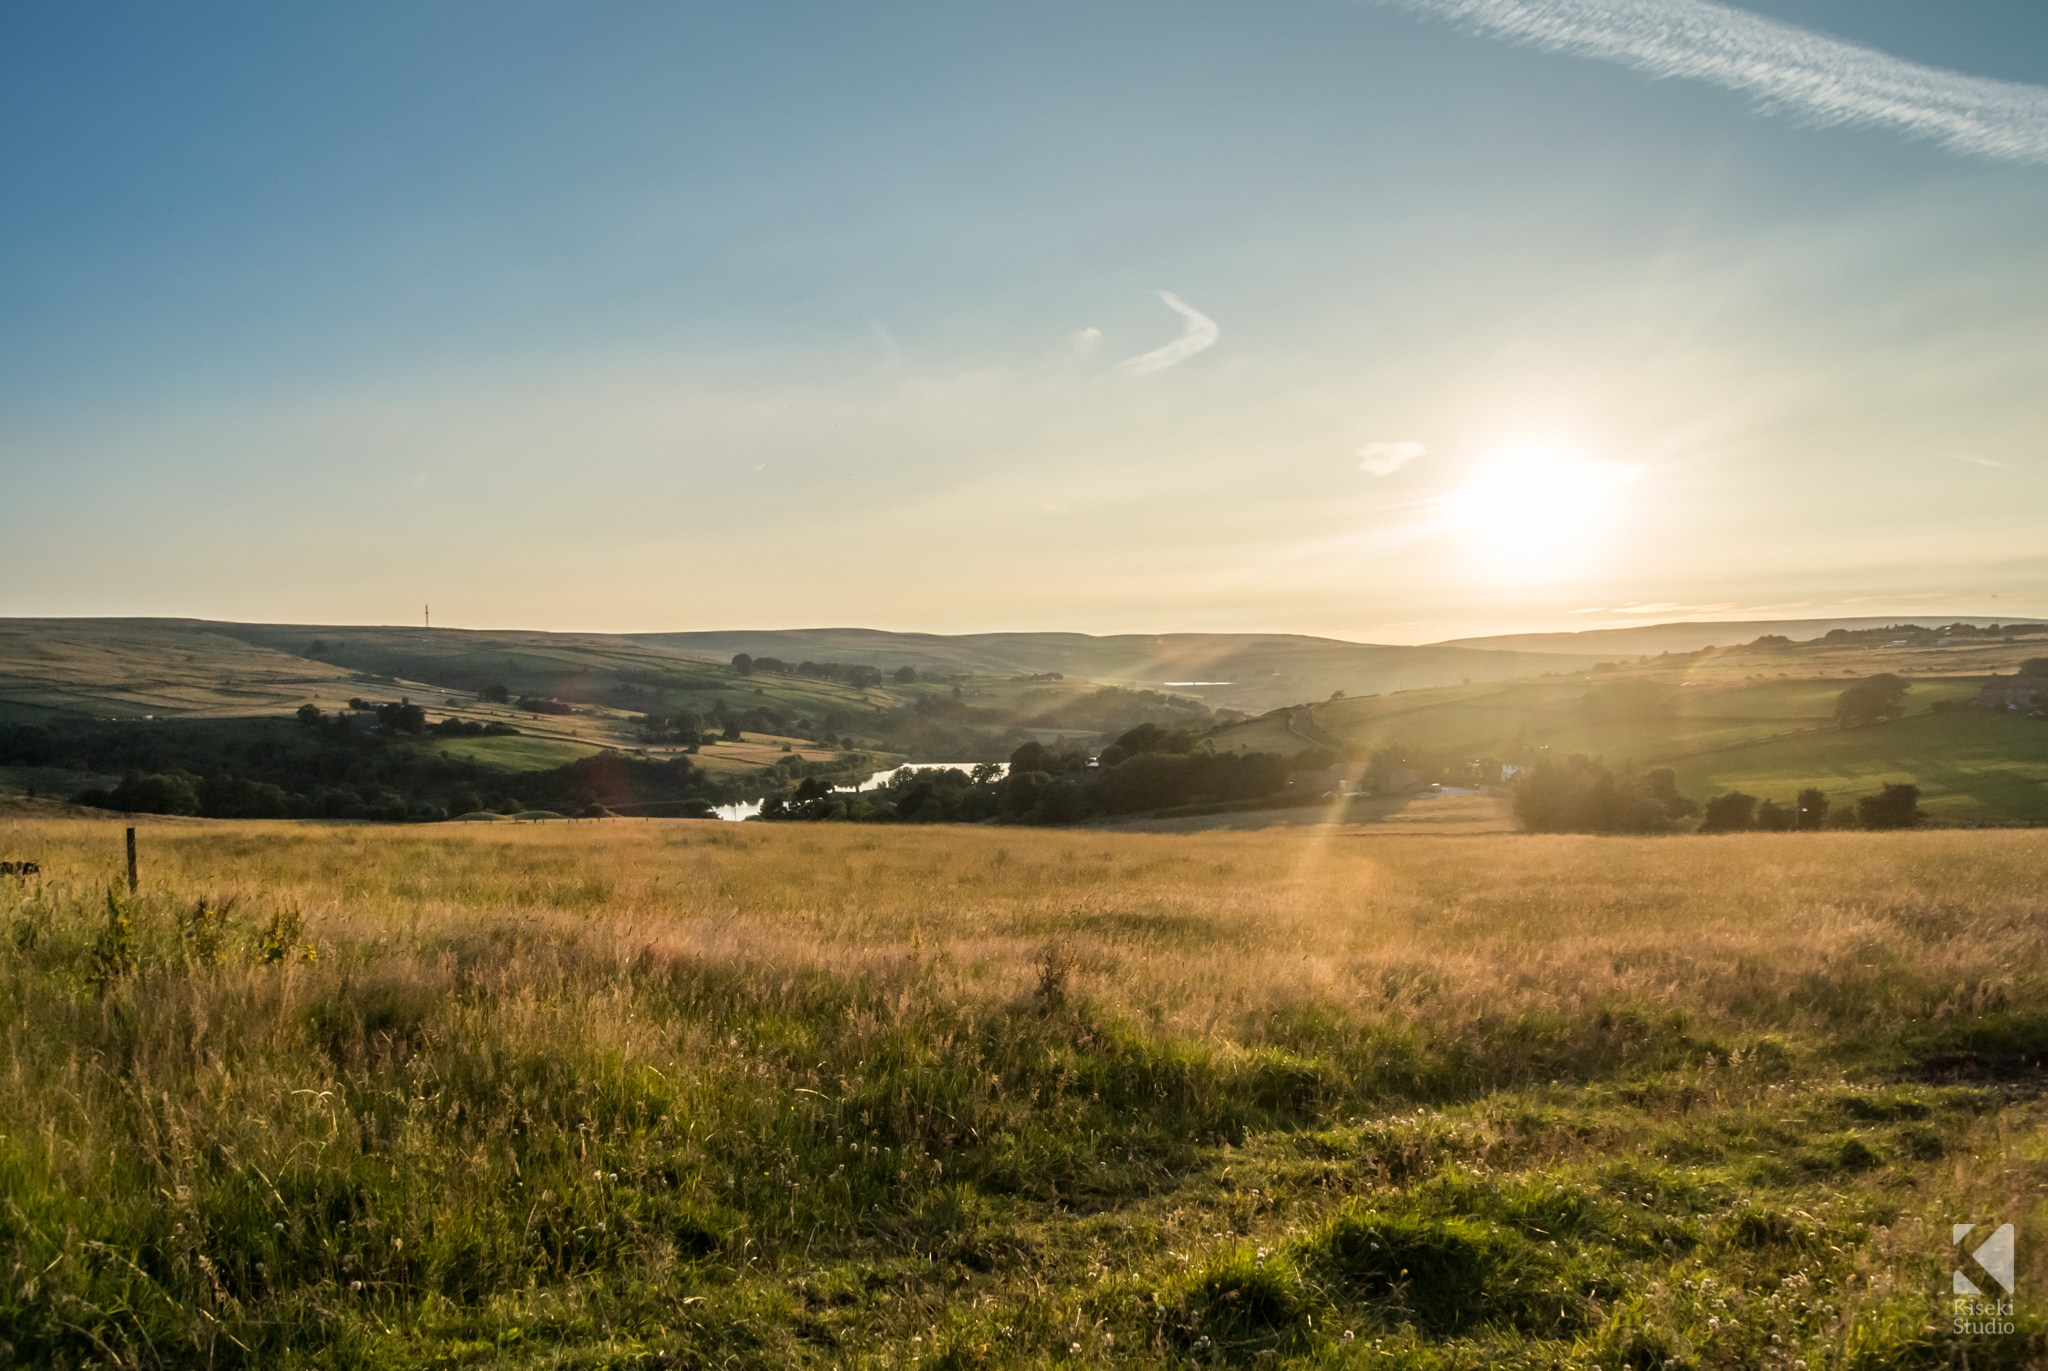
(658,1094)
(513,754)
(1971,767)
(1768,737)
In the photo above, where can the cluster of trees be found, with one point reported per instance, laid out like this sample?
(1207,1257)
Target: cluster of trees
(688,728)
(1146,769)
(1872,700)
(1920,635)
(1577,794)
(403,716)
(328,767)
(860,677)
(1736,812)
(955,726)
(1895,806)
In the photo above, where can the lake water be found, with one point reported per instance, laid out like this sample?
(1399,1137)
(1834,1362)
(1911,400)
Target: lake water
(748,810)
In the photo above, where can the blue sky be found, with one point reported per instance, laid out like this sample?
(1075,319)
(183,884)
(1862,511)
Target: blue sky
(657,317)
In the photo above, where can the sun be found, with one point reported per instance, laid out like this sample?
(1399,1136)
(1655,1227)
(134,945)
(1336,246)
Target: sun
(1537,510)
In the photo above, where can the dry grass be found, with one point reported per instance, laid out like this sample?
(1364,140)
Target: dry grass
(603,1091)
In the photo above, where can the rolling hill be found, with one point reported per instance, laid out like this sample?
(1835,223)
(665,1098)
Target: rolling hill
(1769,737)
(1691,637)
(1225,670)
(175,666)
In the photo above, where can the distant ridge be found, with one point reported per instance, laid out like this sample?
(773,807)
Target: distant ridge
(1691,637)
(1254,671)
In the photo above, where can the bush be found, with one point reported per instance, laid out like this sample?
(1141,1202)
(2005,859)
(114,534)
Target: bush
(1734,812)
(177,793)
(1447,1274)
(1579,795)
(1772,817)
(1896,806)
(1870,701)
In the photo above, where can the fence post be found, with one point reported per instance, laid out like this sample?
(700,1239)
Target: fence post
(131,861)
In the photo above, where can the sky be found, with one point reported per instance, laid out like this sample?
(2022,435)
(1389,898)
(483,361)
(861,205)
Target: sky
(1386,320)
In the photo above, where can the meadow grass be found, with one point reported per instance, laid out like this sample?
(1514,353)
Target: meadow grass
(688,1093)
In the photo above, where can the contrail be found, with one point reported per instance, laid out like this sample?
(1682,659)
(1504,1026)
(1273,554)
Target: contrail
(1787,69)
(1199,332)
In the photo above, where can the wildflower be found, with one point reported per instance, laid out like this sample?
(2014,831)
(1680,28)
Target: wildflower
(277,1228)
(355,1285)
(1350,1336)
(1074,1348)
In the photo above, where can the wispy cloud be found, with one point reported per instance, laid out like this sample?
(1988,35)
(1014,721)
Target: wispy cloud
(1197,333)
(1788,69)
(1085,340)
(1973,457)
(1384,459)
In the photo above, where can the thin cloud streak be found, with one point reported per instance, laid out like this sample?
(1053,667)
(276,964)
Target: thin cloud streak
(1787,69)
(1980,461)
(1197,334)
(1384,459)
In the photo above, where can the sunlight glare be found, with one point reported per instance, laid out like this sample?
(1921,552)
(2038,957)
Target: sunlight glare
(1537,510)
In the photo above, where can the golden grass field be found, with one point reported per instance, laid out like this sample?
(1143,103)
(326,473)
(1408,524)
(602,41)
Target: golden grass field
(630,1093)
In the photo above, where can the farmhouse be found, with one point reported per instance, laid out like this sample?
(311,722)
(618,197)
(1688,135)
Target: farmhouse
(2014,692)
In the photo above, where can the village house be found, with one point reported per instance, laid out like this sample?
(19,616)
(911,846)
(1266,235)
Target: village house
(2014,692)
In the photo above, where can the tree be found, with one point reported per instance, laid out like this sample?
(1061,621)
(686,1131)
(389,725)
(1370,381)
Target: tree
(2034,666)
(1579,795)
(310,714)
(905,675)
(403,717)
(1772,817)
(176,793)
(1896,806)
(743,663)
(496,694)
(1661,785)
(1870,700)
(1730,813)
(1813,810)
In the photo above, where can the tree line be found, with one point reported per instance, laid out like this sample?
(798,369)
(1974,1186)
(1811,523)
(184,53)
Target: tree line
(1147,769)
(315,766)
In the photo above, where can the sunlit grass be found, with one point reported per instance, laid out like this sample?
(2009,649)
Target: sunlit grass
(611,1093)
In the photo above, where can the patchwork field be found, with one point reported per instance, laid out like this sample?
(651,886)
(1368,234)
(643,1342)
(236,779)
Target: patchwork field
(675,1093)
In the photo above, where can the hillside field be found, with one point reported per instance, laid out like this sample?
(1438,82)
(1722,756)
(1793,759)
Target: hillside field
(1769,737)
(673,1093)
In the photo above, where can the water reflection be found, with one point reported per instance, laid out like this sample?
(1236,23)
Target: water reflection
(750,808)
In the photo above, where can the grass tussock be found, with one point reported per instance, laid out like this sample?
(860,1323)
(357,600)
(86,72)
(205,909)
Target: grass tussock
(687,1094)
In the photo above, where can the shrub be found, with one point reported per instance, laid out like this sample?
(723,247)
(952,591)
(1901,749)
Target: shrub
(1896,806)
(1734,812)
(1447,1274)
(1869,701)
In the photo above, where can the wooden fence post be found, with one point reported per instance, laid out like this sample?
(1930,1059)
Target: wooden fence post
(131,861)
